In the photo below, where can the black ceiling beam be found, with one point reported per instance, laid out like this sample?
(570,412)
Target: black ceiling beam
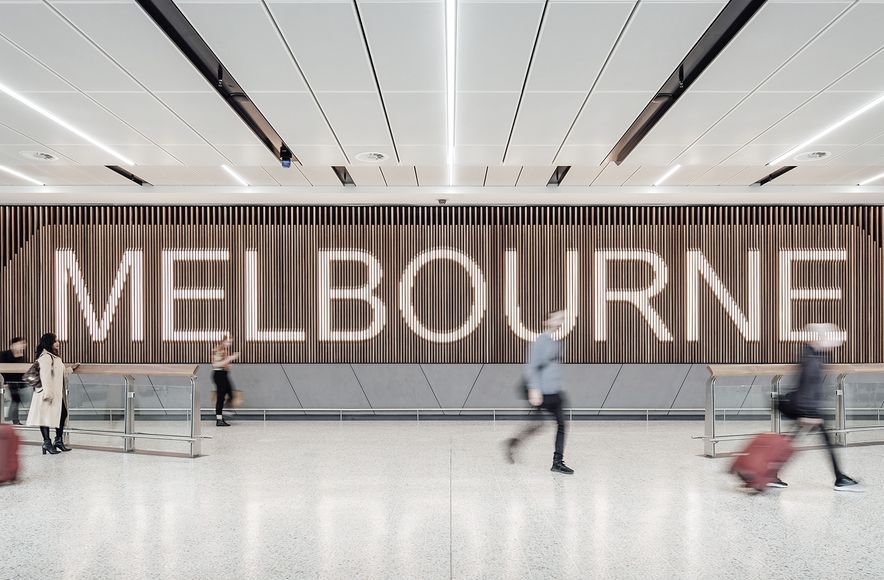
(181,32)
(343,175)
(771,176)
(127,174)
(559,174)
(723,29)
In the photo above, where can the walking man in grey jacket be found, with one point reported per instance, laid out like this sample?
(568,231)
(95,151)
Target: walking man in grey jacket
(543,376)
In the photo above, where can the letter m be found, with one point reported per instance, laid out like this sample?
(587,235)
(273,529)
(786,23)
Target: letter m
(67,269)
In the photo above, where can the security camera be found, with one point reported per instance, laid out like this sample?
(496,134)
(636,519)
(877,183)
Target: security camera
(286,163)
(442,201)
(285,157)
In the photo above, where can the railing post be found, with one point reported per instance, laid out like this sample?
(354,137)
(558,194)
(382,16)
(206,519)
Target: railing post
(129,415)
(840,412)
(196,417)
(775,419)
(709,440)
(2,399)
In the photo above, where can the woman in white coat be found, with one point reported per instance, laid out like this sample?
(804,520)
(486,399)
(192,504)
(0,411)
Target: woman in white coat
(49,405)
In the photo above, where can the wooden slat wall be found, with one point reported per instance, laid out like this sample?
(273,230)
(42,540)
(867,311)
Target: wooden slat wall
(287,240)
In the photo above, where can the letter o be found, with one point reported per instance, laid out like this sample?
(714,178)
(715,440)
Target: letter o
(406,288)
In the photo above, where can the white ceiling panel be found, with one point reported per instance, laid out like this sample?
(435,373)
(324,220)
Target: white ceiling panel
(140,154)
(424,154)
(758,113)
(210,117)
(591,155)
(581,175)
(39,31)
(860,176)
(197,155)
(432,175)
(755,155)
(706,154)
(749,175)
(468,176)
(522,154)
(660,155)
(606,117)
(353,150)
(255,176)
(502,176)
(266,65)
(649,51)
(407,42)
(148,115)
(494,44)
(614,174)
(867,77)
(776,32)
(863,155)
(322,175)
(574,44)
(287,176)
(690,117)
(295,117)
(356,118)
(246,155)
(417,118)
(814,176)
(132,39)
(850,40)
(76,109)
(544,118)
(185,175)
(327,42)
(9,136)
(320,155)
(397,175)
(717,175)
(11,155)
(22,73)
(816,115)
(366,175)
(535,175)
(649,175)
(478,155)
(484,118)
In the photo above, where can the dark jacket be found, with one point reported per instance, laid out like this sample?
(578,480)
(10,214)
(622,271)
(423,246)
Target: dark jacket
(14,380)
(809,396)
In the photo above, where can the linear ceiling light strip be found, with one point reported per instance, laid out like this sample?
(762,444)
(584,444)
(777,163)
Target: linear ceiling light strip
(872,179)
(127,174)
(781,171)
(182,33)
(20,175)
(672,171)
(235,175)
(723,29)
(61,122)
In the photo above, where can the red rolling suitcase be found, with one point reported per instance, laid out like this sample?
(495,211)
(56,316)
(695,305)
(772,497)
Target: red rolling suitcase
(9,442)
(758,464)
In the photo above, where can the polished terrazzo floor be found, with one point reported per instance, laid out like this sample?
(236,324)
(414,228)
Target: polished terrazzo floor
(400,499)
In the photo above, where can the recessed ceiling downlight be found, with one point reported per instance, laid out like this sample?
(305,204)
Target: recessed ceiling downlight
(812,156)
(38,156)
(371,157)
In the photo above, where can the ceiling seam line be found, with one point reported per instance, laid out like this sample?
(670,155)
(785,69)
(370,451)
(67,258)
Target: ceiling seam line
(377,82)
(755,90)
(83,93)
(310,90)
(485,179)
(598,77)
(416,180)
(509,139)
(519,176)
(97,47)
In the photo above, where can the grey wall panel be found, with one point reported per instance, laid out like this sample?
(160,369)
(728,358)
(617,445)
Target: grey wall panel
(496,387)
(326,386)
(587,385)
(452,383)
(264,386)
(693,392)
(393,386)
(646,386)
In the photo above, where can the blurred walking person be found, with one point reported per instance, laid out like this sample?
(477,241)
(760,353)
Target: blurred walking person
(49,406)
(543,377)
(222,358)
(15,355)
(805,403)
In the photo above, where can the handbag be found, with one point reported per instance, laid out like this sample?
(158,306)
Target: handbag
(32,377)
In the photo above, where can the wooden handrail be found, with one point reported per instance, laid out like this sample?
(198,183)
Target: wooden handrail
(116,370)
(772,370)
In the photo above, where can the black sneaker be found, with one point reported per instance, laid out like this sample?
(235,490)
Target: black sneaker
(778,483)
(560,467)
(845,483)
(221,423)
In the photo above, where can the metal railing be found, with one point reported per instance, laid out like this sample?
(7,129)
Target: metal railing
(776,373)
(129,434)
